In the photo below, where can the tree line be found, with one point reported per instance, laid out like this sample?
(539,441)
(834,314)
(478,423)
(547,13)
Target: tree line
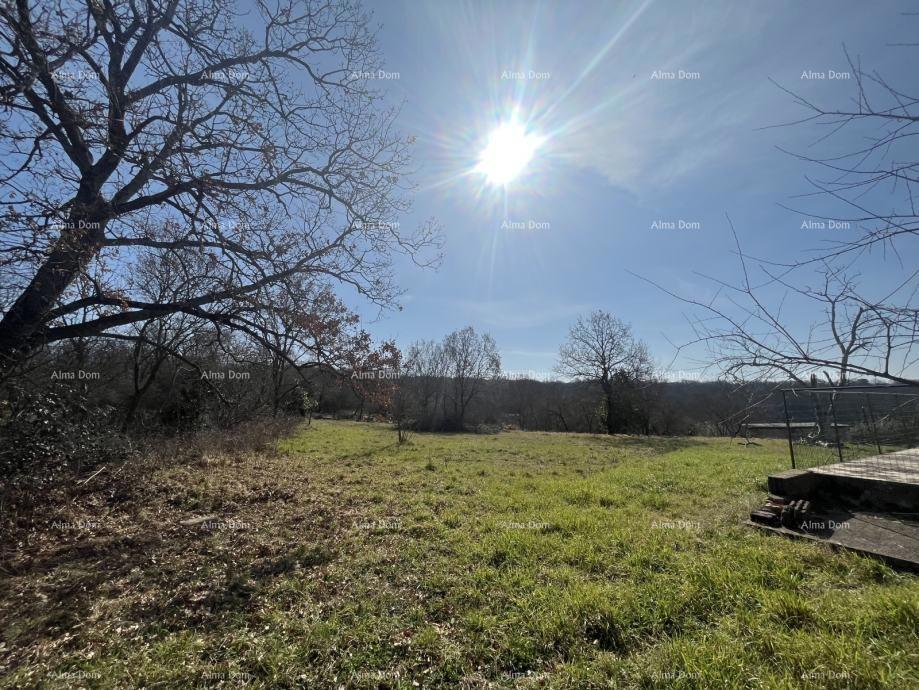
(176,377)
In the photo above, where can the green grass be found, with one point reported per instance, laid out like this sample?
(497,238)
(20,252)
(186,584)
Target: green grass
(515,560)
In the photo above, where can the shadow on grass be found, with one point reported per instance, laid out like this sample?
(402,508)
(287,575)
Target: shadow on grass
(136,565)
(655,444)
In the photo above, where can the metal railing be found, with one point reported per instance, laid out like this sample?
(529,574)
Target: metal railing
(877,426)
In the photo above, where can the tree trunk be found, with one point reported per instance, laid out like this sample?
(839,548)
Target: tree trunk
(131,411)
(139,392)
(21,326)
(608,393)
(561,418)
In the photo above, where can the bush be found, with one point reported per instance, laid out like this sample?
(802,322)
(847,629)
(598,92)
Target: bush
(46,434)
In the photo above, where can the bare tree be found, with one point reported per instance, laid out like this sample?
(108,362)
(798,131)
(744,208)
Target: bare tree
(424,379)
(158,339)
(852,333)
(374,374)
(600,347)
(134,127)
(748,337)
(862,179)
(305,328)
(471,359)
(403,411)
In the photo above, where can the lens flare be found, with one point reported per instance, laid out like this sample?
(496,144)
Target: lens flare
(510,148)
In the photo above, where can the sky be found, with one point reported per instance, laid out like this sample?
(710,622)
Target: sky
(622,147)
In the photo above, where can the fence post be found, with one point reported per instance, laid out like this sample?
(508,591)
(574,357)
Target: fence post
(835,424)
(791,446)
(874,424)
(865,419)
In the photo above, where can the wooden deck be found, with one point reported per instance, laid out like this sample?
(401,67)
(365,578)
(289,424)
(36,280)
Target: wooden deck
(891,538)
(901,467)
(869,505)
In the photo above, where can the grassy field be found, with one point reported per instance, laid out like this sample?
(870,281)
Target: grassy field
(514,560)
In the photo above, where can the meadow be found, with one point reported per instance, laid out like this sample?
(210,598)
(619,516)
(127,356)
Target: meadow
(341,558)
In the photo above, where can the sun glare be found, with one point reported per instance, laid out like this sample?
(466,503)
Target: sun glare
(507,153)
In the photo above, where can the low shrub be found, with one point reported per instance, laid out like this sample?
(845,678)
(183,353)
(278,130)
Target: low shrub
(47,434)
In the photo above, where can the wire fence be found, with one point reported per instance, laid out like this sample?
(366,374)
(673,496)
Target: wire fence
(871,431)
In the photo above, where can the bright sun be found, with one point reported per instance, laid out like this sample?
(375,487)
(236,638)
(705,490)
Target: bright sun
(509,150)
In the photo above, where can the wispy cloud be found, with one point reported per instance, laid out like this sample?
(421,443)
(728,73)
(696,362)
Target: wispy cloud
(670,101)
(511,314)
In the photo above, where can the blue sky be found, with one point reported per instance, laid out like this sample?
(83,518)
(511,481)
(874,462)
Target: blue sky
(622,150)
